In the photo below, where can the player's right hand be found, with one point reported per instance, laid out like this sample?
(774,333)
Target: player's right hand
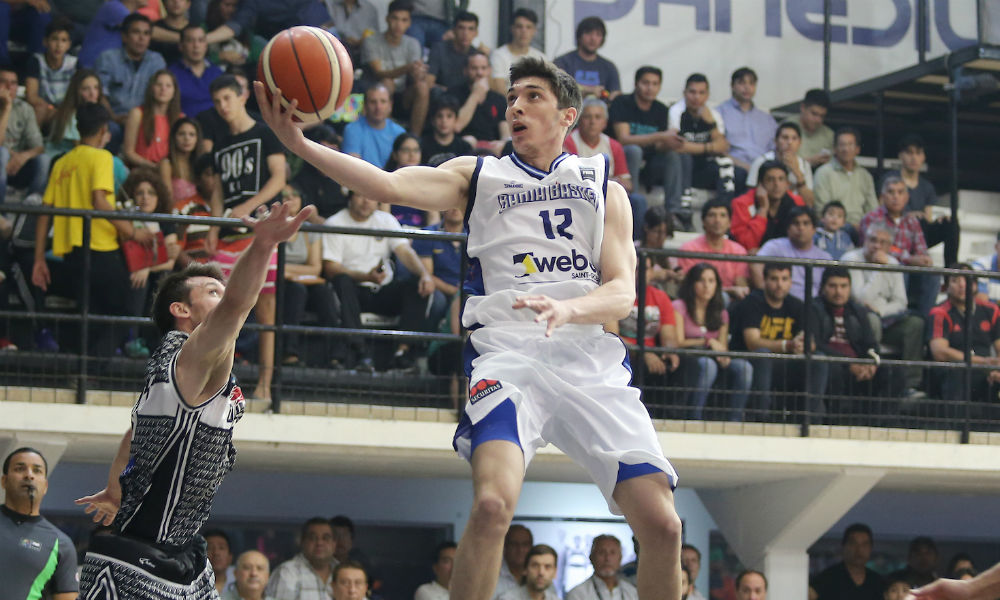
(279,119)
(104,504)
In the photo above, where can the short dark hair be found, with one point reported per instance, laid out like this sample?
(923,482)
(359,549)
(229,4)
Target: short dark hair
(911,140)
(400,5)
(189,27)
(174,288)
(768,267)
(656,216)
(958,557)
(771,164)
(958,266)
(465,16)
(797,211)
(525,13)
(745,572)
(646,69)
(24,450)
(203,162)
(833,204)
(219,534)
(445,102)
(894,578)
(563,85)
(349,564)
(539,550)
(855,527)
(314,521)
(222,82)
(788,125)
(441,548)
(591,24)
(343,521)
(828,274)
(604,537)
(59,23)
(90,117)
(133,18)
(816,97)
(695,78)
(742,72)
(848,130)
(377,86)
(691,547)
(716,203)
(923,541)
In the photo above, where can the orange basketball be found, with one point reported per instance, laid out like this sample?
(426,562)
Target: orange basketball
(310,65)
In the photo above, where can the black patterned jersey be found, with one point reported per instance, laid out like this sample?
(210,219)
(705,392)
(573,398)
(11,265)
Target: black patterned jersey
(179,453)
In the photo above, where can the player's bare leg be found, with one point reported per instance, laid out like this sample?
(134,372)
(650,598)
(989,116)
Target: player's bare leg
(648,504)
(265,312)
(497,475)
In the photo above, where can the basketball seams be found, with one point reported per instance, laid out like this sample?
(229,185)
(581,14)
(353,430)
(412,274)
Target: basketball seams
(332,55)
(302,73)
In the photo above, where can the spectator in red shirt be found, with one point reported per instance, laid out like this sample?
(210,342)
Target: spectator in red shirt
(735,276)
(761,214)
(589,139)
(948,336)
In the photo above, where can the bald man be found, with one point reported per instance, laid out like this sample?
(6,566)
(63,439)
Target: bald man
(252,572)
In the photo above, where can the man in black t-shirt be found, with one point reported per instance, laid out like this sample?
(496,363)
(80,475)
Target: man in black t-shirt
(442,141)
(705,145)
(35,556)
(250,167)
(948,339)
(639,123)
(769,321)
(482,119)
(840,581)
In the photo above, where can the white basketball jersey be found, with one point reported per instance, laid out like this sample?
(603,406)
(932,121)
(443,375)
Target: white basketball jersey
(532,232)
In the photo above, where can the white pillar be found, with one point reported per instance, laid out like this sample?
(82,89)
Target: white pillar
(770,525)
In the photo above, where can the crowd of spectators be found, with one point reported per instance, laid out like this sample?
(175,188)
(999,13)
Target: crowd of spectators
(163,90)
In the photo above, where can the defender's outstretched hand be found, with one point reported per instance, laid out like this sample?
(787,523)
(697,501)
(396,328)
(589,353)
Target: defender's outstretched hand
(275,225)
(279,119)
(555,312)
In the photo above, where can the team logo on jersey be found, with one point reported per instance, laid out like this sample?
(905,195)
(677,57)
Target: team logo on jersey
(236,405)
(577,263)
(483,388)
(33,545)
(588,173)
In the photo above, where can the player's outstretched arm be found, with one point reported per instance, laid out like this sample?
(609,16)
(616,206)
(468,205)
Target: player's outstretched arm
(426,188)
(613,299)
(206,358)
(105,503)
(985,586)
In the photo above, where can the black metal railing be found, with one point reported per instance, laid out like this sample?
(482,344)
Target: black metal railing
(83,371)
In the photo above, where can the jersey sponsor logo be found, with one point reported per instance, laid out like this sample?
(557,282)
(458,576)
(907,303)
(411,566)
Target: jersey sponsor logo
(512,185)
(31,545)
(483,388)
(588,173)
(577,263)
(555,191)
(146,562)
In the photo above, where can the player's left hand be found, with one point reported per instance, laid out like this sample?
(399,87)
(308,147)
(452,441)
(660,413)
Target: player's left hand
(555,312)
(276,225)
(104,504)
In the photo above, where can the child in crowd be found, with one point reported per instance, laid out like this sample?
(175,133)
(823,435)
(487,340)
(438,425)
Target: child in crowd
(193,237)
(442,142)
(832,236)
(147,129)
(406,153)
(48,74)
(144,192)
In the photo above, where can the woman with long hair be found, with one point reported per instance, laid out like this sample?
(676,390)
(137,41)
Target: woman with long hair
(704,323)
(406,153)
(177,169)
(147,128)
(84,87)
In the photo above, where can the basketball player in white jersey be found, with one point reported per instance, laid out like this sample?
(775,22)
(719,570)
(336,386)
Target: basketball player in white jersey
(551,259)
(170,463)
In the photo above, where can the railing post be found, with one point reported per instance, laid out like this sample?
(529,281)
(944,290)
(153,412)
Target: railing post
(640,320)
(807,347)
(827,42)
(81,382)
(279,330)
(970,290)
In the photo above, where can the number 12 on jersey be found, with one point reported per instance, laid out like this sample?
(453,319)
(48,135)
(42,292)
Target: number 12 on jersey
(567,220)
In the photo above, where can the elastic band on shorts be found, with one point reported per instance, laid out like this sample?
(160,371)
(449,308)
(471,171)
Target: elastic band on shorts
(630,471)
(499,424)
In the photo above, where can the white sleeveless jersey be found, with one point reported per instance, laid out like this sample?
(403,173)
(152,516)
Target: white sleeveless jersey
(532,232)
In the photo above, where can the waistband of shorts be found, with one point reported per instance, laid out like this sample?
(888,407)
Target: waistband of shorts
(538,329)
(180,564)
